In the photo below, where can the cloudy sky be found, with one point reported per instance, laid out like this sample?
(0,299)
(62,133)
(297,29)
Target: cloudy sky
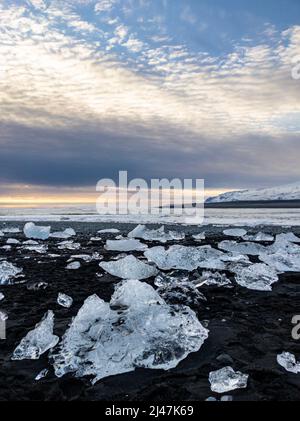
(161,88)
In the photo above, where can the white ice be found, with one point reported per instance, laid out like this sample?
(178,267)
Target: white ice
(288,361)
(214,279)
(109,231)
(67,233)
(251,249)
(12,241)
(68,245)
(8,272)
(235,232)
(64,300)
(129,268)
(73,266)
(259,277)
(259,237)
(226,379)
(42,374)
(158,235)
(125,245)
(2,296)
(36,232)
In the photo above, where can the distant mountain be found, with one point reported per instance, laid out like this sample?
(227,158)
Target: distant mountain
(283,193)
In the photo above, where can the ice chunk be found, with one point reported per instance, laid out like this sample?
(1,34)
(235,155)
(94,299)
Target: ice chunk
(258,277)
(3,316)
(86,257)
(251,249)
(12,230)
(67,233)
(73,266)
(163,279)
(68,245)
(182,293)
(137,329)
(199,237)
(235,232)
(288,237)
(12,241)
(42,374)
(214,278)
(129,268)
(2,296)
(159,235)
(64,300)
(125,245)
(1,234)
(109,231)
(30,243)
(226,379)
(36,232)
(282,262)
(40,249)
(259,237)
(8,272)
(288,361)
(186,258)
(38,340)
(37,286)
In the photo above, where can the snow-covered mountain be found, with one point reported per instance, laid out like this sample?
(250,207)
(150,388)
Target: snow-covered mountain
(287,192)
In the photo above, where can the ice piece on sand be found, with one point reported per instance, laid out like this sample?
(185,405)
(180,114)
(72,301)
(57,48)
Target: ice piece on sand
(109,231)
(8,272)
(226,379)
(290,237)
(214,278)
(64,300)
(199,237)
(2,296)
(68,245)
(251,249)
(136,329)
(67,233)
(288,361)
(73,266)
(259,237)
(282,262)
(37,286)
(186,258)
(12,241)
(1,234)
(40,248)
(129,268)
(30,243)
(163,279)
(184,293)
(86,257)
(235,232)
(38,340)
(159,235)
(36,232)
(125,245)
(258,277)
(42,374)
(13,230)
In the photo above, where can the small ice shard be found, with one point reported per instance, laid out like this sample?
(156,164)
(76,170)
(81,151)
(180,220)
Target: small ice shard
(3,316)
(38,340)
(251,249)
(1,234)
(158,235)
(163,279)
(13,230)
(215,279)
(199,237)
(129,268)
(40,249)
(109,231)
(136,329)
(282,262)
(36,232)
(186,258)
(86,257)
(37,286)
(42,374)
(259,277)
(8,272)
(235,232)
(64,300)
(259,237)
(67,233)
(68,245)
(288,361)
(183,293)
(30,243)
(2,296)
(95,239)
(226,379)
(125,245)
(73,266)
(12,241)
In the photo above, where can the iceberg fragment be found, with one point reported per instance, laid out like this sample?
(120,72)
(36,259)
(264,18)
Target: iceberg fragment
(163,279)
(2,296)
(214,279)
(42,374)
(67,233)
(129,268)
(64,300)
(282,262)
(13,230)
(3,316)
(38,340)
(158,235)
(259,237)
(183,293)
(125,245)
(259,277)
(68,245)
(73,266)
(109,231)
(12,241)
(36,232)
(199,237)
(8,272)
(227,379)
(136,329)
(40,248)
(251,249)
(288,361)
(235,232)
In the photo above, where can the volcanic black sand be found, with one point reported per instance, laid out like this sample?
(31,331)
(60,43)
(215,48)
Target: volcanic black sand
(247,329)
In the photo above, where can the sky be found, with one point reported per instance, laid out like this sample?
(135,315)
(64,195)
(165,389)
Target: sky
(161,88)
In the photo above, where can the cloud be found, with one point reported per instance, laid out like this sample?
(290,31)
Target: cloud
(104,6)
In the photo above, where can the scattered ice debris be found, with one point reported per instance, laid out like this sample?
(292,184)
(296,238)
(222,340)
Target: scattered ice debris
(36,232)
(6,248)
(73,266)
(37,341)
(235,232)
(186,258)
(259,277)
(8,272)
(226,379)
(214,279)
(199,237)
(68,245)
(163,279)
(36,286)
(64,300)
(12,230)
(67,233)
(125,245)
(40,248)
(2,296)
(282,262)
(136,329)
(251,249)
(12,241)
(95,239)
(259,237)
(3,316)
(288,361)
(86,257)
(183,293)
(129,268)
(109,231)
(42,374)
(159,235)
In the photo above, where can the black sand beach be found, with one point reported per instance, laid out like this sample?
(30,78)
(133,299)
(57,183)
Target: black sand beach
(247,328)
